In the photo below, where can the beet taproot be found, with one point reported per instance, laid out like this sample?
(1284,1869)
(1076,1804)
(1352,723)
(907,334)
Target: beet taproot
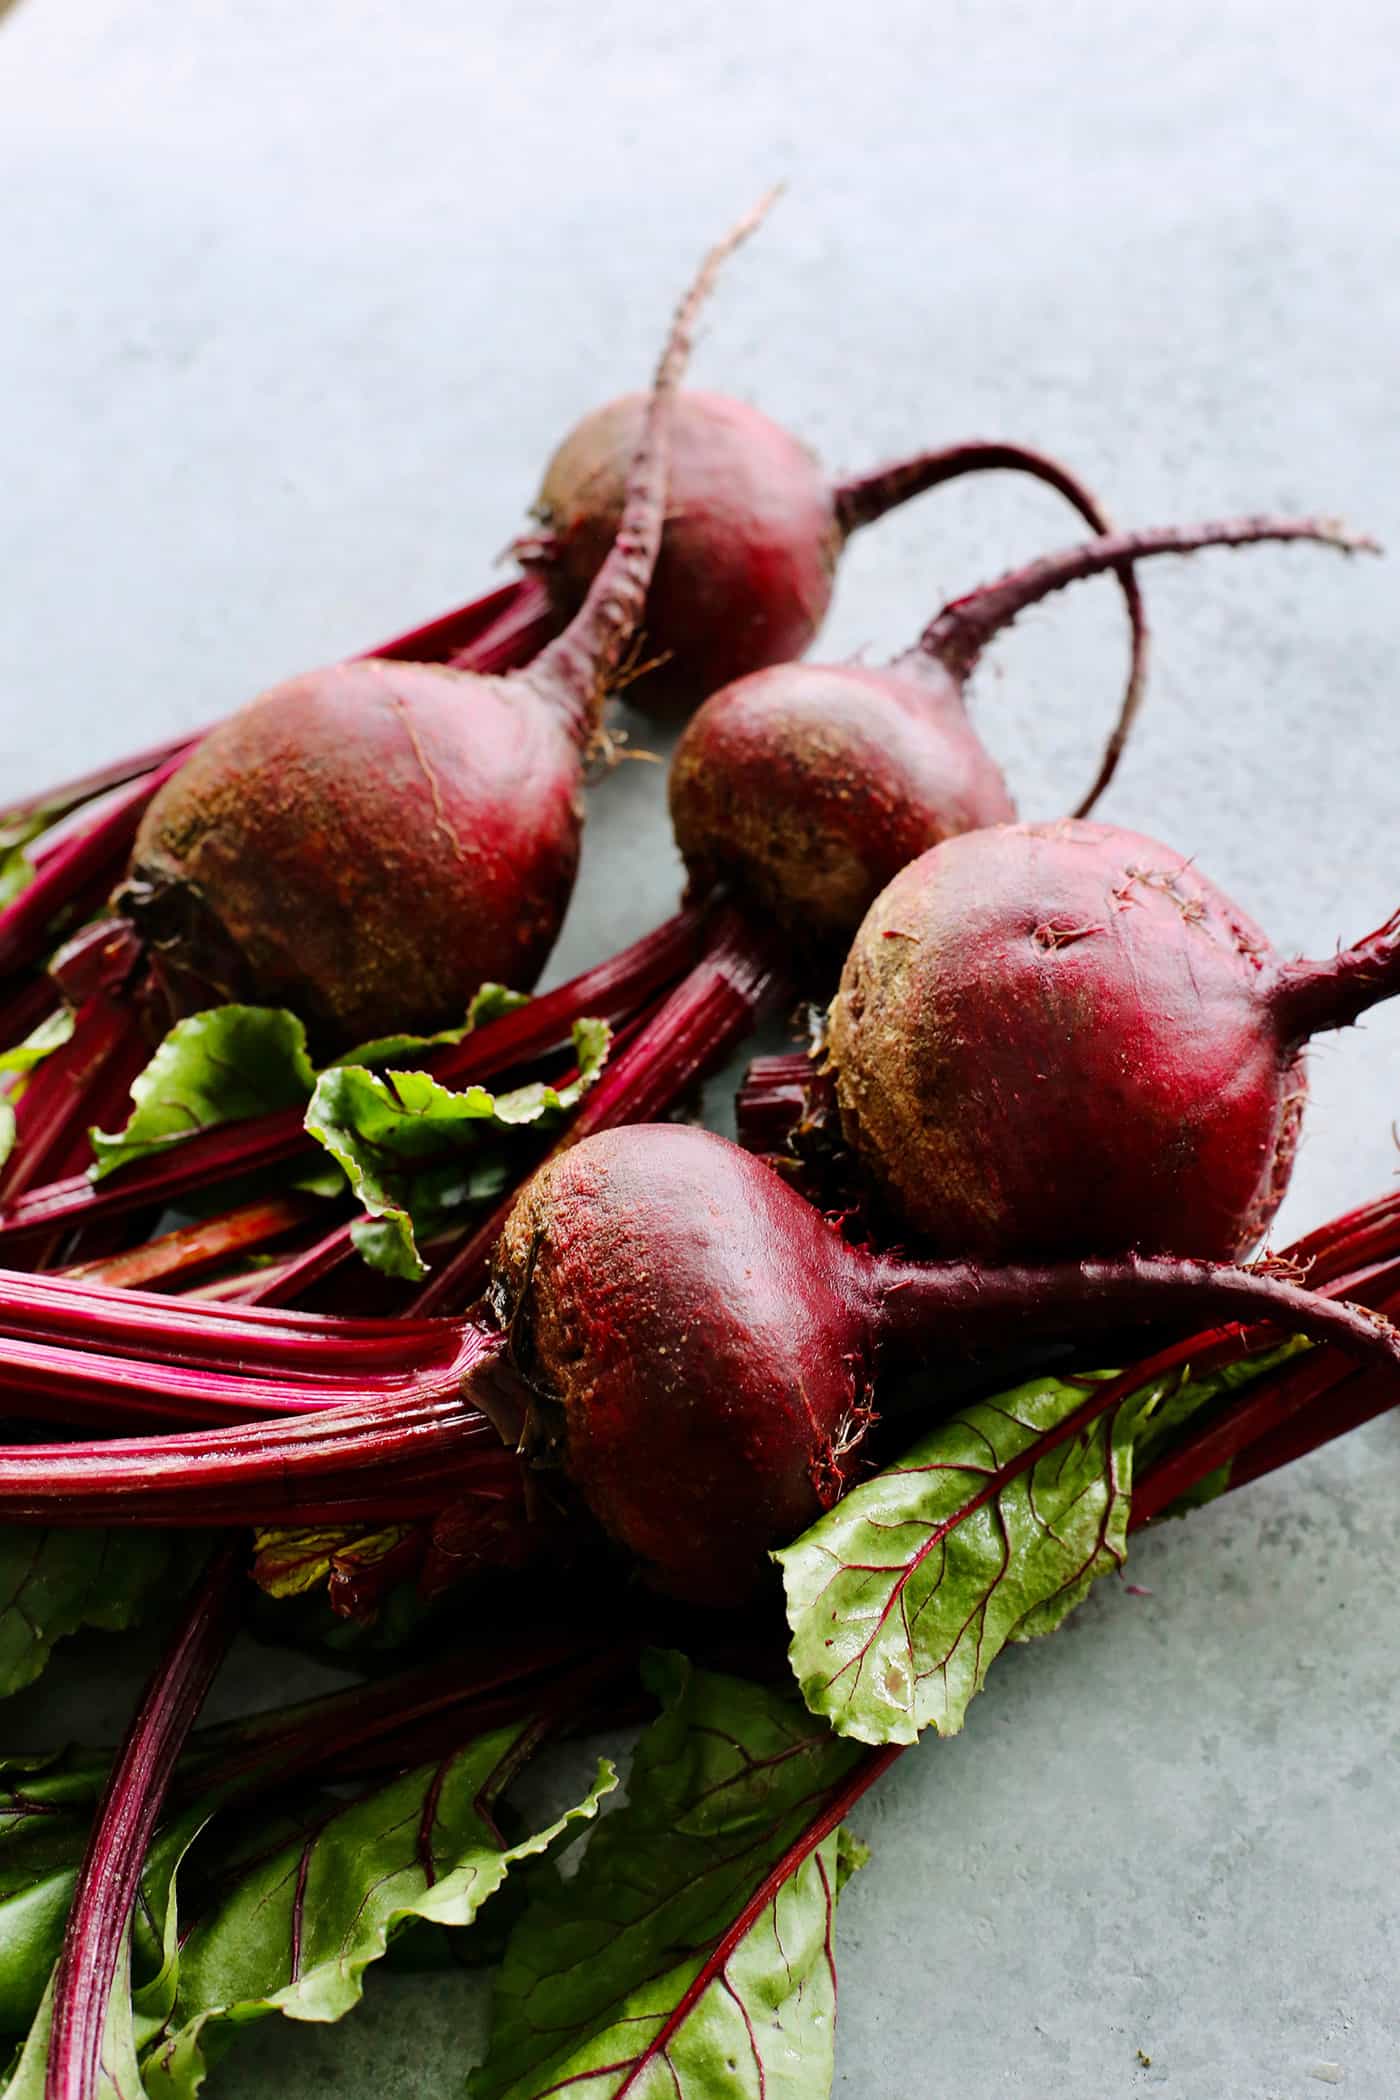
(370,843)
(1059,1040)
(807,787)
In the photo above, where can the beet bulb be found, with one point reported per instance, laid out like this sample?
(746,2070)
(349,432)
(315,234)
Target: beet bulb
(369,843)
(754,532)
(1054,1040)
(807,787)
(701,1345)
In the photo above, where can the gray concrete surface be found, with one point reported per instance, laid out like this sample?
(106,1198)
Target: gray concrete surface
(296,300)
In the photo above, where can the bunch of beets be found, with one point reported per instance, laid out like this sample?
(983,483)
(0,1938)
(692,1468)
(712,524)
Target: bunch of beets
(395,1290)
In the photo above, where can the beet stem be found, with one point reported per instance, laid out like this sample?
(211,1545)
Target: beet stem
(190,1247)
(579,666)
(920,1303)
(861,501)
(25,925)
(957,636)
(692,1032)
(110,1875)
(1309,998)
(610,992)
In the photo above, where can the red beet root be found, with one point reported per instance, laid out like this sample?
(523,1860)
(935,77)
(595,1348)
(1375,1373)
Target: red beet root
(753,532)
(702,1346)
(809,786)
(1064,1040)
(369,843)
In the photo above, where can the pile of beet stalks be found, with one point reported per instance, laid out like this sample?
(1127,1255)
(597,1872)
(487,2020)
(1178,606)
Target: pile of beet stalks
(679,1000)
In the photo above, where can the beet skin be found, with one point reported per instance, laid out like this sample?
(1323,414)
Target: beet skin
(1063,1039)
(380,838)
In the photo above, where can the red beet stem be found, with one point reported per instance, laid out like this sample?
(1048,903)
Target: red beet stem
(691,1033)
(1272,1412)
(59,1381)
(578,668)
(405,1457)
(146,1327)
(52,1114)
(772,1100)
(190,1248)
(1347,1404)
(969,1305)
(498,632)
(861,501)
(56,802)
(609,992)
(110,1876)
(1311,997)
(957,636)
(865,498)
(26,926)
(23,1005)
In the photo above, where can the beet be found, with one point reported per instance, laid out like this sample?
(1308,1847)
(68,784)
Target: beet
(668,1318)
(370,843)
(807,787)
(702,1346)
(1063,1039)
(753,535)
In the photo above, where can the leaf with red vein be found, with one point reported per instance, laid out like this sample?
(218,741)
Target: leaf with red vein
(692,1953)
(293,1929)
(991,1529)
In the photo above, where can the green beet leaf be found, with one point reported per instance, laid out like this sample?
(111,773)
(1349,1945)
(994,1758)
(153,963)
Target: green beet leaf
(50,1035)
(144,1983)
(53,1582)
(216,1067)
(417,1153)
(991,1529)
(18,831)
(293,1927)
(239,1061)
(901,1597)
(38,1791)
(691,1955)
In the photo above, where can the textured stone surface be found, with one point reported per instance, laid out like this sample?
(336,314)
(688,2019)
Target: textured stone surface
(296,301)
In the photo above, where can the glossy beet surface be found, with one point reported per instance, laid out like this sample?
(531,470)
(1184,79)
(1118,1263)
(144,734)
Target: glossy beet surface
(1063,1039)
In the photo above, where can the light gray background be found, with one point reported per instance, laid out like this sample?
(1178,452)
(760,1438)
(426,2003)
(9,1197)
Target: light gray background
(296,301)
